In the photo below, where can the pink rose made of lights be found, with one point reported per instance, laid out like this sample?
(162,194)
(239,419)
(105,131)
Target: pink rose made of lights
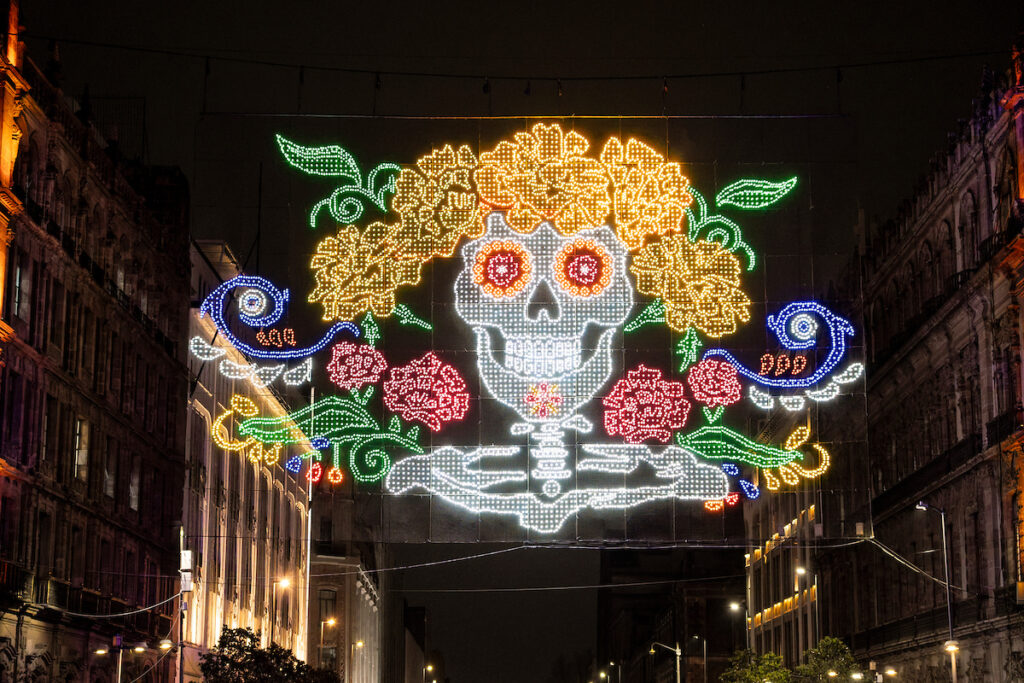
(714,383)
(427,390)
(355,365)
(644,406)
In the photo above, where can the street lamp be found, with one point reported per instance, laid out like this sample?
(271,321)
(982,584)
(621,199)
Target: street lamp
(891,672)
(739,608)
(320,653)
(619,667)
(284,583)
(705,641)
(429,668)
(676,650)
(800,573)
(120,647)
(951,646)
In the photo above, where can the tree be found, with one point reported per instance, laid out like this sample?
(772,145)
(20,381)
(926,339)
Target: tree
(746,666)
(831,654)
(238,658)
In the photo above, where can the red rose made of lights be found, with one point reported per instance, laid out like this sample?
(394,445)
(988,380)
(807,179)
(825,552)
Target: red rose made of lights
(644,406)
(355,365)
(427,390)
(714,383)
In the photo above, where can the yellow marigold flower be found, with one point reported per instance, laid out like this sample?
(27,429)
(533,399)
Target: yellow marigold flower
(699,283)
(543,176)
(650,196)
(437,203)
(358,271)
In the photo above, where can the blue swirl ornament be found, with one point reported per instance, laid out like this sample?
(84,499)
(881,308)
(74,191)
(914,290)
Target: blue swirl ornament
(796,326)
(260,304)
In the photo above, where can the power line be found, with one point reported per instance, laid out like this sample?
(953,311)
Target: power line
(121,614)
(592,586)
(660,77)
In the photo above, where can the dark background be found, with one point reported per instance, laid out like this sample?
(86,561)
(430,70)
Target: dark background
(193,96)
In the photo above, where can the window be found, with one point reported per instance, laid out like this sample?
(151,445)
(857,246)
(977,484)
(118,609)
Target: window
(326,529)
(48,431)
(81,449)
(133,485)
(328,603)
(57,313)
(110,468)
(16,290)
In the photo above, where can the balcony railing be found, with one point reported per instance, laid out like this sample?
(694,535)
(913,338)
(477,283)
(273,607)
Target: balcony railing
(1002,427)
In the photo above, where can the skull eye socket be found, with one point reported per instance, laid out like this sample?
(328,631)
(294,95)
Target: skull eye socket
(583,268)
(502,268)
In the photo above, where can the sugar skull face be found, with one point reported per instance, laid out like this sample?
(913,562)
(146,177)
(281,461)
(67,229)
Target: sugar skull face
(545,308)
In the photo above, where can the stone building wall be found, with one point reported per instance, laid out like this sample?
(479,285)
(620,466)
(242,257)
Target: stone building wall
(942,286)
(91,428)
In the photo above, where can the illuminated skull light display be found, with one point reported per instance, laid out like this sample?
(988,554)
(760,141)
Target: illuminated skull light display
(551,242)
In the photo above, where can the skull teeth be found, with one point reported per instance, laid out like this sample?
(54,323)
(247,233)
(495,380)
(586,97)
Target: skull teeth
(542,356)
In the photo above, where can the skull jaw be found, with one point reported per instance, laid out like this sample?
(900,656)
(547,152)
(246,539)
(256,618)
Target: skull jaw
(577,385)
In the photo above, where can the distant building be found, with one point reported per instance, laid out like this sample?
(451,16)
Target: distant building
(93,381)
(344,588)
(245,521)
(693,612)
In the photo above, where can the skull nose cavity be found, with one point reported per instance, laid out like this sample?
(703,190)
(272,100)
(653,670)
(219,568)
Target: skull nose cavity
(542,304)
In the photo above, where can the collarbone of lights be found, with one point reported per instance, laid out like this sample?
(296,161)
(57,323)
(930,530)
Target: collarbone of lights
(259,376)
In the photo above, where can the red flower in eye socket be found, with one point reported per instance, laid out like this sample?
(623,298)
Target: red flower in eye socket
(583,268)
(502,268)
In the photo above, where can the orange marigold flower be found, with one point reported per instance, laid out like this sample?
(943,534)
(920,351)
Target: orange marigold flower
(698,282)
(358,271)
(437,203)
(650,196)
(543,176)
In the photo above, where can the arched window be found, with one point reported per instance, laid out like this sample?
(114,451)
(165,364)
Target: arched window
(946,256)
(926,273)
(968,230)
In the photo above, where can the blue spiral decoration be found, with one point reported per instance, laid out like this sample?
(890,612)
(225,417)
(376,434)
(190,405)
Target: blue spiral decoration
(260,304)
(797,326)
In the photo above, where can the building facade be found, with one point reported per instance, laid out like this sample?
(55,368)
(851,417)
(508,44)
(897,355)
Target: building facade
(345,610)
(942,288)
(245,517)
(93,380)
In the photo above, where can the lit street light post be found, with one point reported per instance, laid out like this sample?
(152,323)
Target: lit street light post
(320,653)
(951,646)
(619,667)
(705,642)
(676,650)
(120,647)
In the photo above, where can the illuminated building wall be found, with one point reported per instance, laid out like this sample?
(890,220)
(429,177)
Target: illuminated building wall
(942,288)
(91,393)
(245,518)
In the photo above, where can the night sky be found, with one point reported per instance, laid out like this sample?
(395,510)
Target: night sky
(862,132)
